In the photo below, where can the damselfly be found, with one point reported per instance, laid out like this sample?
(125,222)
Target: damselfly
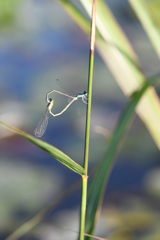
(42,125)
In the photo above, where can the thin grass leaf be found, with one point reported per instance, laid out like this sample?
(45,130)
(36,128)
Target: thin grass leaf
(76,15)
(97,187)
(147,18)
(54,152)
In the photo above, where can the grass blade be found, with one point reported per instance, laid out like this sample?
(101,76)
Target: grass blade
(54,152)
(76,15)
(97,187)
(148,20)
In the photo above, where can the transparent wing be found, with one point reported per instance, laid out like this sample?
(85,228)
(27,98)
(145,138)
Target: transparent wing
(42,125)
(85,98)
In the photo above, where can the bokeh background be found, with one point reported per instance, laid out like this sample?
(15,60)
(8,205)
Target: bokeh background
(40,43)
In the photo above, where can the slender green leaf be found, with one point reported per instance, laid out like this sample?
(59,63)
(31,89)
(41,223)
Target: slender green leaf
(54,152)
(148,20)
(97,187)
(76,15)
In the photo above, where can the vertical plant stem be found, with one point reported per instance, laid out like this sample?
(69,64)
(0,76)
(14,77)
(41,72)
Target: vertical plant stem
(88,117)
(83,208)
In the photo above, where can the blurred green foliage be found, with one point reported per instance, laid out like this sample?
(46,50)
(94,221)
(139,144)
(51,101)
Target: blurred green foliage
(154,6)
(8,10)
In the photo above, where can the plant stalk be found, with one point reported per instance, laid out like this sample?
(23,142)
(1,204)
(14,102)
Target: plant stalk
(88,117)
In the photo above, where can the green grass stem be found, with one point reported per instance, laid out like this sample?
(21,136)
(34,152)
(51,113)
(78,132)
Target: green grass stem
(88,117)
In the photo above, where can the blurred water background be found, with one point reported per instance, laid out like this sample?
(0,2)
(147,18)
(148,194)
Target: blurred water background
(38,44)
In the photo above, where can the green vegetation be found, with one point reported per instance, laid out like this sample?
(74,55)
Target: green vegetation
(114,47)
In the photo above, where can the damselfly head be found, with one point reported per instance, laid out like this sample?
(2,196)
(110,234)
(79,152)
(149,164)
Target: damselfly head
(50,100)
(85,97)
